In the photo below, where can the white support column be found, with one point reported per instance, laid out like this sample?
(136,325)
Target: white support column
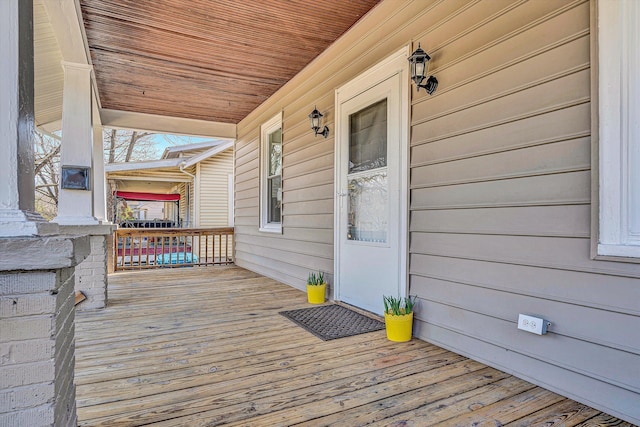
(17,205)
(75,207)
(99,180)
(36,269)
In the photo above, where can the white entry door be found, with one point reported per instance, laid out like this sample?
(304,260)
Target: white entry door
(371,186)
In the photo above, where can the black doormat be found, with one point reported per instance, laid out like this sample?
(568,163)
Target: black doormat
(329,322)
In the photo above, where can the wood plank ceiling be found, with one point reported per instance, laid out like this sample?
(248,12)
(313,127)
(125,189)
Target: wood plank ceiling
(213,60)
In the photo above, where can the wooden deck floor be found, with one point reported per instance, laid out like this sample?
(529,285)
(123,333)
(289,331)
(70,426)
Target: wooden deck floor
(206,347)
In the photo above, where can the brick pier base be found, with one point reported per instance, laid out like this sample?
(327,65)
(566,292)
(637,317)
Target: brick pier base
(37,330)
(91,274)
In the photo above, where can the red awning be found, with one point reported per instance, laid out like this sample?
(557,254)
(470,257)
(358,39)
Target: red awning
(134,195)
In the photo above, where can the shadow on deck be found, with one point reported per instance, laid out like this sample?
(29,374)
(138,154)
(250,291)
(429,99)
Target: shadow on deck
(206,346)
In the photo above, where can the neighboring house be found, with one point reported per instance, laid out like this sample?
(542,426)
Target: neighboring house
(488,204)
(201,173)
(150,210)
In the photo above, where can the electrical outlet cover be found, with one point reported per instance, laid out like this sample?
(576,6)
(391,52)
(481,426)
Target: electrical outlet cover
(535,325)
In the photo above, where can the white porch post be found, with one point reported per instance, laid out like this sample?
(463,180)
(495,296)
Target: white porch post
(84,211)
(36,271)
(100,183)
(75,207)
(17,206)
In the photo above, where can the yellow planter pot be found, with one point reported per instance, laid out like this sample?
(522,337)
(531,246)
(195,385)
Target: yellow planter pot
(399,328)
(315,294)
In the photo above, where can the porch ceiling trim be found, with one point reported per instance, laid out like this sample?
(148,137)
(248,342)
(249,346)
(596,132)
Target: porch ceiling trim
(211,152)
(66,21)
(149,178)
(52,126)
(134,166)
(165,124)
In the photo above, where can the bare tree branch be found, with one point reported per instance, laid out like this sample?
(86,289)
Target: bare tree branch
(112,146)
(132,143)
(119,145)
(47,159)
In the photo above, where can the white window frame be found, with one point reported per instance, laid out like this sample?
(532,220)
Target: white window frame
(266,129)
(618,128)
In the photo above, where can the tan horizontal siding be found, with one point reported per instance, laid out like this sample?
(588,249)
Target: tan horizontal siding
(573,188)
(500,205)
(293,264)
(551,284)
(300,247)
(550,252)
(214,189)
(558,221)
(272,270)
(564,156)
(546,128)
(500,190)
(601,324)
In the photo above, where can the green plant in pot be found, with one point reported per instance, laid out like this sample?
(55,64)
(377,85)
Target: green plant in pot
(316,288)
(398,317)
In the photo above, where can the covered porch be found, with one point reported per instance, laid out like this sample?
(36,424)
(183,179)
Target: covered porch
(206,346)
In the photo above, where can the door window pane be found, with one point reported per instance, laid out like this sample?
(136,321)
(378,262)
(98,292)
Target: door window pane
(368,212)
(368,138)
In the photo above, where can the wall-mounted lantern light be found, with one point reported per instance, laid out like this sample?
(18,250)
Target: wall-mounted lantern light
(419,61)
(315,117)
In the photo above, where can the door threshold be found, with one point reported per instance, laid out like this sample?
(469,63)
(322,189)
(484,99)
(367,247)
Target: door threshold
(359,310)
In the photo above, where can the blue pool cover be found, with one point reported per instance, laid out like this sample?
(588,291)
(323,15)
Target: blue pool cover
(177,258)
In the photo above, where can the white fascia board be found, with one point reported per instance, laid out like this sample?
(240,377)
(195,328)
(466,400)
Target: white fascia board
(133,166)
(165,124)
(177,149)
(122,176)
(209,153)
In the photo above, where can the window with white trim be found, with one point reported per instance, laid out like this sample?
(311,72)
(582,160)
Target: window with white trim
(619,128)
(271,175)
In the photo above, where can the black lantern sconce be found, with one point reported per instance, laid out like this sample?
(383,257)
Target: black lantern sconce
(419,61)
(315,117)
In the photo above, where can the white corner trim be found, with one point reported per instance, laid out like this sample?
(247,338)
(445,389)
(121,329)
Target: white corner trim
(619,128)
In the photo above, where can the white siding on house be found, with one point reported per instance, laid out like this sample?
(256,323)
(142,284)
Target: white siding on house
(500,191)
(184,200)
(213,189)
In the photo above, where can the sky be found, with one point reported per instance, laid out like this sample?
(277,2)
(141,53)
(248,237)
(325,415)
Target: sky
(162,141)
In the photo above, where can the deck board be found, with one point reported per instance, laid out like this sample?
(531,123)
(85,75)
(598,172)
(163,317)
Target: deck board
(206,346)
